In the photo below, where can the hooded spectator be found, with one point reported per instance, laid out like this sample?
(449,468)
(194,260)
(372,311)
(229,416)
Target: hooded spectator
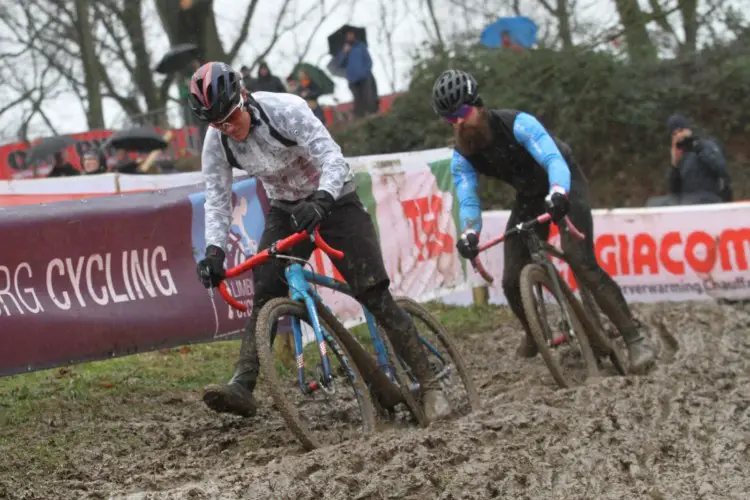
(699,171)
(94,162)
(266,81)
(247,80)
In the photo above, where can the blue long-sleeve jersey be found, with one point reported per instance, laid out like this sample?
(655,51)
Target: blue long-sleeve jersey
(537,141)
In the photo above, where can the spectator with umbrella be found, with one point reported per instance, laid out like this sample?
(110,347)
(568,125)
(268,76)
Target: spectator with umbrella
(354,58)
(62,167)
(311,82)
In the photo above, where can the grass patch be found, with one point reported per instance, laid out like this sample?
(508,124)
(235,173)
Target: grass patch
(182,369)
(189,368)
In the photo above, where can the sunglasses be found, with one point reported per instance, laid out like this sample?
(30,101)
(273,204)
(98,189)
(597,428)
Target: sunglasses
(462,112)
(223,121)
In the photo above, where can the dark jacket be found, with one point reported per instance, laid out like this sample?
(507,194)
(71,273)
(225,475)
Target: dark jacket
(357,62)
(511,162)
(701,176)
(268,83)
(64,170)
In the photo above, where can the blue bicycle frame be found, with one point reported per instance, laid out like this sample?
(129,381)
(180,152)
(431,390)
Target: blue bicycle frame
(300,282)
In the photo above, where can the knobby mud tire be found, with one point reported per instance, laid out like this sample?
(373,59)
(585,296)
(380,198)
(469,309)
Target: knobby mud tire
(269,315)
(402,379)
(589,314)
(532,275)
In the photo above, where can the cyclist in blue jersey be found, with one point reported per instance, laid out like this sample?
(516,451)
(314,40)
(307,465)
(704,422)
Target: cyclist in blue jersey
(513,146)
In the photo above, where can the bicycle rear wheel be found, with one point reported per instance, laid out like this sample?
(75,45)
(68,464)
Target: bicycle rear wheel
(401,384)
(348,407)
(444,358)
(548,337)
(601,340)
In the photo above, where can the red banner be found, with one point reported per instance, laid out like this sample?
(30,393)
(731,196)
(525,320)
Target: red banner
(13,156)
(116,275)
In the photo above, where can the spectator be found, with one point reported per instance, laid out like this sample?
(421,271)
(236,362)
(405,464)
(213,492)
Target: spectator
(247,80)
(292,84)
(508,43)
(699,174)
(94,162)
(123,164)
(310,91)
(61,167)
(355,59)
(266,81)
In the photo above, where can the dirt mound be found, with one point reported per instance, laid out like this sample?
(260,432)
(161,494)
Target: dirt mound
(681,432)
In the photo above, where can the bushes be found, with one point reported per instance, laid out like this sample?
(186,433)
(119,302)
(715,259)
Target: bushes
(612,114)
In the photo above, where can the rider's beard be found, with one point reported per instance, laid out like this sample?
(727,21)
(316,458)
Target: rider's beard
(472,138)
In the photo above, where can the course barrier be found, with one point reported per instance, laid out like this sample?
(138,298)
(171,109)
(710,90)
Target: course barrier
(106,274)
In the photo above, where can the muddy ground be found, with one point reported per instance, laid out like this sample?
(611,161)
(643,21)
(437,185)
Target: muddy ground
(682,432)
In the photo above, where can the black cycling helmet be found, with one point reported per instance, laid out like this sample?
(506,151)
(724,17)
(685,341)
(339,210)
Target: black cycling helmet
(214,91)
(452,89)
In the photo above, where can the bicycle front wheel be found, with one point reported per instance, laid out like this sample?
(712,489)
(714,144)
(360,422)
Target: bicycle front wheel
(352,410)
(561,345)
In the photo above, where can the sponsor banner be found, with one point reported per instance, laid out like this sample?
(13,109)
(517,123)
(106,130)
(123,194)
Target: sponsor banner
(113,276)
(657,254)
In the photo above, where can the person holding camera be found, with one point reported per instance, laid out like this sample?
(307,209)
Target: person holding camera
(699,172)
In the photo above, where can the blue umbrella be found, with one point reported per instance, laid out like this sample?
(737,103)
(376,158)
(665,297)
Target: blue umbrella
(521,29)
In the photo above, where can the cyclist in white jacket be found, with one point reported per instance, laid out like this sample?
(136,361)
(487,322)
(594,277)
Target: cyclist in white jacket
(276,138)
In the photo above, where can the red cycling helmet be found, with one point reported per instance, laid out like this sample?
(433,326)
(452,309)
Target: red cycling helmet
(214,91)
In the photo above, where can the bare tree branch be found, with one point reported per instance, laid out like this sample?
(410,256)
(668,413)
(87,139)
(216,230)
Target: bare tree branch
(242,37)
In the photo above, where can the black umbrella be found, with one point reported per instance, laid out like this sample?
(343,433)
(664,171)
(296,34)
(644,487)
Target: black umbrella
(177,58)
(337,39)
(141,139)
(48,146)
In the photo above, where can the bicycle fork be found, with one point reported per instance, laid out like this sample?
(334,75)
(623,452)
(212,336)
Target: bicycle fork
(300,291)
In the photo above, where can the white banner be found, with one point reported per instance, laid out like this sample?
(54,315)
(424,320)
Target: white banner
(698,252)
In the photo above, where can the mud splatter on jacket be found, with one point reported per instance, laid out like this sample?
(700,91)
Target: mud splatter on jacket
(289,172)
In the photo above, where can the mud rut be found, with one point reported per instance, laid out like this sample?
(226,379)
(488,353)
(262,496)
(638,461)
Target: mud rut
(681,432)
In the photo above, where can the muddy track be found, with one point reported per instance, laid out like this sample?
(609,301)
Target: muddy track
(681,432)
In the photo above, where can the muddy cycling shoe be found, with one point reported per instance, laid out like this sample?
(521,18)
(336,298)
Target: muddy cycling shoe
(230,398)
(527,348)
(436,405)
(642,354)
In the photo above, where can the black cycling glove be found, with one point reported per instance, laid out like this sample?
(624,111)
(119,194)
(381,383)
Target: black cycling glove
(468,245)
(211,268)
(557,206)
(307,214)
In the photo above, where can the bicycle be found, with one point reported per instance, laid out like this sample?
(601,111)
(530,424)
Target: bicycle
(576,325)
(388,382)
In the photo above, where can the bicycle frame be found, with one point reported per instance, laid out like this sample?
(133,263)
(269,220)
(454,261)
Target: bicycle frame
(540,251)
(301,281)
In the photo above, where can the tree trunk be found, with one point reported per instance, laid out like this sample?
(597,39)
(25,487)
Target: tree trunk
(142,76)
(689,10)
(639,44)
(563,18)
(94,111)
(195,24)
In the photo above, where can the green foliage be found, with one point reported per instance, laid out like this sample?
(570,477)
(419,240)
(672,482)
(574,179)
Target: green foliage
(612,114)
